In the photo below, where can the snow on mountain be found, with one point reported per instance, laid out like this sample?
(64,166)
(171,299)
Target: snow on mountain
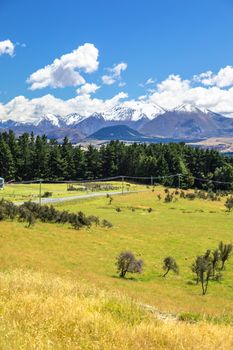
(49,119)
(133,111)
(71,119)
(150,110)
(189,108)
(118,113)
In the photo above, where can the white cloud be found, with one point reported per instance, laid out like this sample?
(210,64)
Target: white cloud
(23,109)
(149,81)
(169,93)
(7,47)
(87,89)
(108,80)
(65,71)
(175,91)
(223,78)
(114,73)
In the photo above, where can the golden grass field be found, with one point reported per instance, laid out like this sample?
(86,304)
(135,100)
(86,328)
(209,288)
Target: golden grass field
(59,288)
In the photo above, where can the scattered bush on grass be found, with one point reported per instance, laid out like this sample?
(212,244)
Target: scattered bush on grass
(126,262)
(169,264)
(47,194)
(229,203)
(30,212)
(225,252)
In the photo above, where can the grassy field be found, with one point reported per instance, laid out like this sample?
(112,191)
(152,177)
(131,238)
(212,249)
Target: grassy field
(182,229)
(25,192)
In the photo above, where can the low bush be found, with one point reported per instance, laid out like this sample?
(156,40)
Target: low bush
(29,212)
(47,194)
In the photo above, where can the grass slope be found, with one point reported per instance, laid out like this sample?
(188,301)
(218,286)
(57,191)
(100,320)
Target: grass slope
(182,229)
(42,311)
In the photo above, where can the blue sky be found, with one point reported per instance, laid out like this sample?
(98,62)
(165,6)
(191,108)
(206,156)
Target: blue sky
(153,39)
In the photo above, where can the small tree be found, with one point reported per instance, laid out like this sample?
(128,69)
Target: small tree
(204,271)
(195,267)
(215,260)
(126,262)
(225,252)
(169,264)
(229,203)
(30,219)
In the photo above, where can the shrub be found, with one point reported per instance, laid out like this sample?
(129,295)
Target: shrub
(169,264)
(47,194)
(30,219)
(229,203)
(29,212)
(225,252)
(190,196)
(168,198)
(126,262)
(106,223)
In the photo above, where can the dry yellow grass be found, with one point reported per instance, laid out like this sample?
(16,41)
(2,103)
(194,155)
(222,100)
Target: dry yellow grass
(42,311)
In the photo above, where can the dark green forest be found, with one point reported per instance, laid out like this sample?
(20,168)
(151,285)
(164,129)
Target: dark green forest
(28,157)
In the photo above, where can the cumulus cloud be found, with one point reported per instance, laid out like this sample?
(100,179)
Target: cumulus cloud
(7,47)
(114,73)
(223,78)
(169,93)
(65,71)
(88,88)
(23,109)
(175,91)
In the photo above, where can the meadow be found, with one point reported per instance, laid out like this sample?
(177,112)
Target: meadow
(65,259)
(25,192)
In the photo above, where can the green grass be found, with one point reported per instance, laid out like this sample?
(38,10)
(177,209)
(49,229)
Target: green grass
(182,229)
(25,192)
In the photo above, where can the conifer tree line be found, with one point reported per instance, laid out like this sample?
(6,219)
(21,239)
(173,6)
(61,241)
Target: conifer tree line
(28,157)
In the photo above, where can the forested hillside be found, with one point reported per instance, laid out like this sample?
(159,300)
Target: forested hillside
(29,157)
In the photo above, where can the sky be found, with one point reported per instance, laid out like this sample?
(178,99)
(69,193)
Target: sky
(79,56)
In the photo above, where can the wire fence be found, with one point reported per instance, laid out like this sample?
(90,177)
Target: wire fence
(151,178)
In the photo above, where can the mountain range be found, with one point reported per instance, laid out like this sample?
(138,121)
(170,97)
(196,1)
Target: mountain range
(146,120)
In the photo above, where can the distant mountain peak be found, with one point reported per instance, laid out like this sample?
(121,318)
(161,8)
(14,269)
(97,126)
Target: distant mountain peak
(73,118)
(190,108)
(96,115)
(49,118)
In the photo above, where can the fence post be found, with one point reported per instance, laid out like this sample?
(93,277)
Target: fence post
(122,185)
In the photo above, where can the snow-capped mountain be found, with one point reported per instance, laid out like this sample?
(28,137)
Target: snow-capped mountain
(188,121)
(185,121)
(48,120)
(72,119)
(189,108)
(122,113)
(151,110)
(138,111)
